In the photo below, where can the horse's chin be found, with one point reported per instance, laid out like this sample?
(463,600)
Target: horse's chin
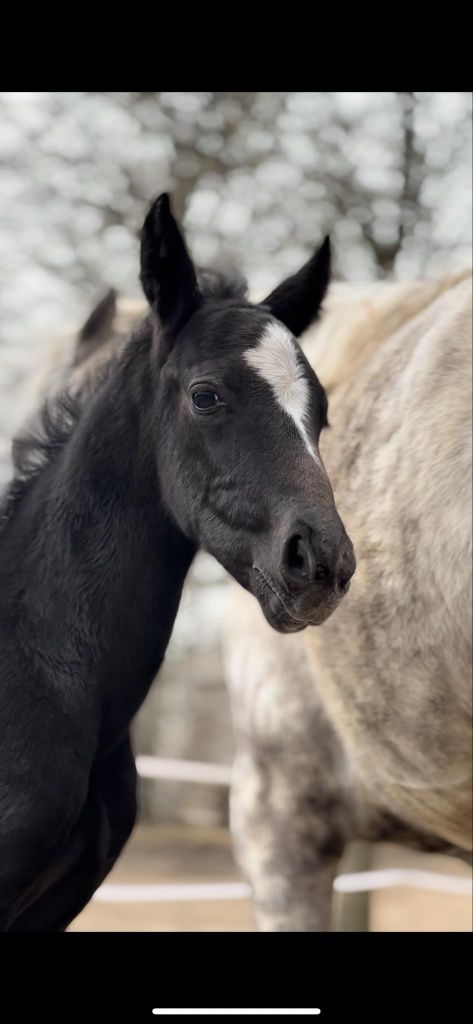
(284,620)
(281,620)
(285,613)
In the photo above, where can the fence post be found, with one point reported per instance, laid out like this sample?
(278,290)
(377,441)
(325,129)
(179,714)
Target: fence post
(351,911)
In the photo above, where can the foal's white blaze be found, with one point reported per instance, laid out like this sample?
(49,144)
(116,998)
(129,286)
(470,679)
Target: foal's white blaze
(275,359)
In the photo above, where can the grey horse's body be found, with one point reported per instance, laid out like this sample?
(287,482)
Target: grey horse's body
(361,728)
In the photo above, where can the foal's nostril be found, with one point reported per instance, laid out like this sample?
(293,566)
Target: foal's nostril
(299,564)
(296,557)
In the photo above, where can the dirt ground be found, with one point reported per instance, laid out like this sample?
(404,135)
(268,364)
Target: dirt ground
(157,855)
(409,909)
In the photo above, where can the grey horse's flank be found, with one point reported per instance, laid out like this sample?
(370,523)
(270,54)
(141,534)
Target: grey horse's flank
(361,727)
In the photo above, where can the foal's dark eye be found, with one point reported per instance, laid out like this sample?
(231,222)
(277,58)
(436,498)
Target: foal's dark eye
(205,401)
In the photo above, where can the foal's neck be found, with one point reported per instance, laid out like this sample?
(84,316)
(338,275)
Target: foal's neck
(104,564)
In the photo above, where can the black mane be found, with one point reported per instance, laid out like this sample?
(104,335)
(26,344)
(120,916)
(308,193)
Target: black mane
(215,284)
(36,447)
(39,442)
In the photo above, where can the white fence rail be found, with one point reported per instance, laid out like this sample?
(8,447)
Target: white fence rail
(149,767)
(362,881)
(183,771)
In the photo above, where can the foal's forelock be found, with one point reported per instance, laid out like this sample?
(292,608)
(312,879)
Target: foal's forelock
(274,358)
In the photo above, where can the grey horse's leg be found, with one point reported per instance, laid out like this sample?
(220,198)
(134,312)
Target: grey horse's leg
(290,830)
(293,805)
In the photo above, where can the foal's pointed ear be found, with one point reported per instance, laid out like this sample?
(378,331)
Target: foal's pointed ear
(167,273)
(296,302)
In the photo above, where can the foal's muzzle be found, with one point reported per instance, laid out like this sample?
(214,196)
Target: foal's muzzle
(313,575)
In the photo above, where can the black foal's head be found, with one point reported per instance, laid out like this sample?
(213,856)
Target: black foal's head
(239,413)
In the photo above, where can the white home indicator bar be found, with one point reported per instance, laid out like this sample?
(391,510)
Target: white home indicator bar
(280,1013)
